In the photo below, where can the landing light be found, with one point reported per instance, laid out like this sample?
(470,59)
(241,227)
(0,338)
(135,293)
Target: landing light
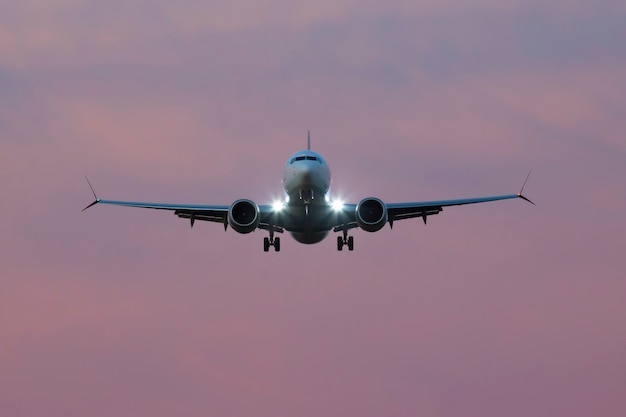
(278,205)
(337,205)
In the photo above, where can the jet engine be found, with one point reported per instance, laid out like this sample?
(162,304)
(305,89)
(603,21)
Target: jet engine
(371,214)
(243,216)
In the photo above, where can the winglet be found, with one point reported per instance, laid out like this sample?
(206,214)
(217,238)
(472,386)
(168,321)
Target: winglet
(520,195)
(97,200)
(308,140)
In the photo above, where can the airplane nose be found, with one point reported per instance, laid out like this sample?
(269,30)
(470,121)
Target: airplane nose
(304,175)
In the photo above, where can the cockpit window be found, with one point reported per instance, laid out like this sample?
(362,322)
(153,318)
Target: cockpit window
(306,158)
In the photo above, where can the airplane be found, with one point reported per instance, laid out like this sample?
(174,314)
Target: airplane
(307,211)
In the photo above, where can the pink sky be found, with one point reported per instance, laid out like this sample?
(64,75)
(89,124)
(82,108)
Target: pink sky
(490,310)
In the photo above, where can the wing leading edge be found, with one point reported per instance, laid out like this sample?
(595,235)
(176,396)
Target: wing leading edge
(188,211)
(423,209)
(193,212)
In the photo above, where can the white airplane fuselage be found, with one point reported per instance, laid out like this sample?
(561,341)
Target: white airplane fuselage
(308,213)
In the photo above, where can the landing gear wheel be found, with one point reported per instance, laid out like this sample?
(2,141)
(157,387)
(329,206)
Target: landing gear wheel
(339,243)
(277,244)
(351,243)
(266,244)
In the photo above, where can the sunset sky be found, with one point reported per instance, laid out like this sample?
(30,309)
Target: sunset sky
(498,309)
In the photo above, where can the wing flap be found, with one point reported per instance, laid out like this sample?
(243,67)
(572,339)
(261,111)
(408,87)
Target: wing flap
(202,215)
(410,214)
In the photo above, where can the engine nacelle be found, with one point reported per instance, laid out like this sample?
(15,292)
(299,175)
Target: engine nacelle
(243,216)
(371,214)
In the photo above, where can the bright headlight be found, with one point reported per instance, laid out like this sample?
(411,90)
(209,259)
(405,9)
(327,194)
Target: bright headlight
(337,205)
(278,205)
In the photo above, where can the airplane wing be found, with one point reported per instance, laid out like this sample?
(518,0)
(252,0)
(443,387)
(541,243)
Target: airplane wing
(200,212)
(193,212)
(423,209)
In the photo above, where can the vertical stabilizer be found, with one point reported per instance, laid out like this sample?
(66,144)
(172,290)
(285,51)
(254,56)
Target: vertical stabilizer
(308,140)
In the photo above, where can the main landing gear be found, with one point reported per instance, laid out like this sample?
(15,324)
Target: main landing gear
(345,240)
(271,241)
